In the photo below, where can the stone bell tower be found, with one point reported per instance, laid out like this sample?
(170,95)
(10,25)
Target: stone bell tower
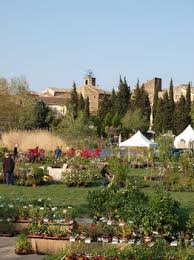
(89,79)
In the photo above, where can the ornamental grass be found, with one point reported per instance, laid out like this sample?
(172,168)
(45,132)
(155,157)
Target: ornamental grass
(30,139)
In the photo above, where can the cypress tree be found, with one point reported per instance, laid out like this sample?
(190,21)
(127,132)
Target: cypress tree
(188,104)
(74,99)
(116,120)
(155,103)
(81,103)
(113,101)
(171,105)
(180,115)
(141,101)
(123,97)
(158,118)
(166,113)
(87,108)
(104,106)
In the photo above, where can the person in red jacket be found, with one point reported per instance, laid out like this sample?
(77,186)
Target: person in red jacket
(35,154)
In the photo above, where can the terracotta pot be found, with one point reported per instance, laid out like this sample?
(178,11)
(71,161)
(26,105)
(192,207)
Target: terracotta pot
(146,178)
(21,252)
(51,237)
(68,258)
(22,220)
(34,236)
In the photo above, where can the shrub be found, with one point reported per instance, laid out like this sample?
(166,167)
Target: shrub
(22,243)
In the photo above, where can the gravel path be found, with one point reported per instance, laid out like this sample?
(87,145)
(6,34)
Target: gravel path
(7,246)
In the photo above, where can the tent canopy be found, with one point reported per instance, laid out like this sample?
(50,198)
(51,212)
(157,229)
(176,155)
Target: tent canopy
(137,140)
(185,139)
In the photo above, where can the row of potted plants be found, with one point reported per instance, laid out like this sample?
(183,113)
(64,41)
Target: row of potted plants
(24,210)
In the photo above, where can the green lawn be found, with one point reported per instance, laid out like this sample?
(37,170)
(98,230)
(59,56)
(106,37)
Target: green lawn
(76,197)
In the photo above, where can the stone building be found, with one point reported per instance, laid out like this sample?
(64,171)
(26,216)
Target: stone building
(88,89)
(151,86)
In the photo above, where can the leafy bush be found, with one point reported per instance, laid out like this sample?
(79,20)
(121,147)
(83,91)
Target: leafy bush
(82,172)
(126,203)
(22,243)
(158,213)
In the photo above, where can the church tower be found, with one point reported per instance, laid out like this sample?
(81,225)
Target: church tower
(89,79)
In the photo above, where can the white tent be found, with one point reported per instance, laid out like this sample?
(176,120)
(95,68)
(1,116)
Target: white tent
(185,139)
(137,140)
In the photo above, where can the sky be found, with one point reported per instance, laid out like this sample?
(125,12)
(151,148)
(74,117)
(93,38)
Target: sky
(54,42)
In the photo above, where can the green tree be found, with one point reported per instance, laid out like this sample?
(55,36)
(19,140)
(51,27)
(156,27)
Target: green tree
(113,101)
(123,97)
(188,104)
(108,119)
(158,118)
(87,108)
(180,115)
(81,103)
(165,143)
(104,106)
(74,100)
(42,115)
(77,132)
(166,113)
(14,98)
(141,101)
(116,120)
(155,104)
(134,121)
(171,105)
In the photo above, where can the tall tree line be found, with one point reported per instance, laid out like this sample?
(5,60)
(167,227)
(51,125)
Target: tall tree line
(170,115)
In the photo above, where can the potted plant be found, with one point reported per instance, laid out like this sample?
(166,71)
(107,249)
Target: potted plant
(36,230)
(23,246)
(6,229)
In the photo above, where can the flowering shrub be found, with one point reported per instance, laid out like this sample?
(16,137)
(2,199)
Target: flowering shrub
(30,154)
(82,172)
(76,178)
(71,152)
(86,153)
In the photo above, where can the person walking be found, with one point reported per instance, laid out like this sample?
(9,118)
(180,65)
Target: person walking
(35,154)
(8,168)
(57,153)
(15,152)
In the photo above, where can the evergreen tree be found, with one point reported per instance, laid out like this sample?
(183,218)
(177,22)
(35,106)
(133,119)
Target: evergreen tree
(171,105)
(166,113)
(81,103)
(108,119)
(113,101)
(87,108)
(188,104)
(180,115)
(155,104)
(158,118)
(116,120)
(74,100)
(123,97)
(104,106)
(42,115)
(141,101)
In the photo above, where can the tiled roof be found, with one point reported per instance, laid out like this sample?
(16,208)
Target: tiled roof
(53,100)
